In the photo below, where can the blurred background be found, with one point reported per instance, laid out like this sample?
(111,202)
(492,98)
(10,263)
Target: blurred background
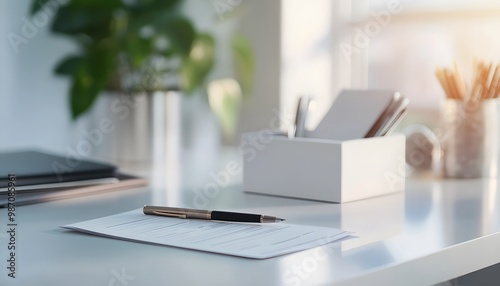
(294,48)
(330,45)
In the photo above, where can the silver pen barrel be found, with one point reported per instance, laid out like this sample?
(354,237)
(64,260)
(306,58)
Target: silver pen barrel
(177,212)
(266,218)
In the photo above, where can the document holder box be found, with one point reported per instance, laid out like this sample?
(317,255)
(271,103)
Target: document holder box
(323,169)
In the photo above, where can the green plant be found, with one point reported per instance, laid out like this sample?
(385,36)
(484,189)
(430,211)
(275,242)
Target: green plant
(121,42)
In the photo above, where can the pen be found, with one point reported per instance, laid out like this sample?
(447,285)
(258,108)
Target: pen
(300,116)
(209,215)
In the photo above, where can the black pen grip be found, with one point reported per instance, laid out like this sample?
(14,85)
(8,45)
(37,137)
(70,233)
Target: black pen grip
(239,217)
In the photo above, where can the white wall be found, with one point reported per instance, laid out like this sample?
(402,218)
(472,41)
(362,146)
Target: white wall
(6,71)
(261,23)
(36,102)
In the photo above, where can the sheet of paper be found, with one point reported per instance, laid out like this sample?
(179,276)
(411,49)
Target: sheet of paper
(239,239)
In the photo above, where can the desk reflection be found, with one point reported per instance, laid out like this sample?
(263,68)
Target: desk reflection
(373,219)
(469,206)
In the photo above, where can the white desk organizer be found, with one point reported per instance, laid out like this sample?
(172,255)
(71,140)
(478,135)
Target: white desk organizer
(324,170)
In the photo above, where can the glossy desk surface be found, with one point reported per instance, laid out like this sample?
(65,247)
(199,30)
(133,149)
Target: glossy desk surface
(435,231)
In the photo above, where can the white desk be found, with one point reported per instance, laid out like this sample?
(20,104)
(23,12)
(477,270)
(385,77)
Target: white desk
(434,232)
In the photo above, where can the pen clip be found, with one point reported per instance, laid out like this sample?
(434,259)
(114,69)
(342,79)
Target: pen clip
(169,214)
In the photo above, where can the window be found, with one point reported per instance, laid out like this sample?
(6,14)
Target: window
(381,44)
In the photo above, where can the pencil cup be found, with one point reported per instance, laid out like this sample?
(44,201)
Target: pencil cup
(470,138)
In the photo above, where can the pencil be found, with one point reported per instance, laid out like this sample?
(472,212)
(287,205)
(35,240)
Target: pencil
(484,84)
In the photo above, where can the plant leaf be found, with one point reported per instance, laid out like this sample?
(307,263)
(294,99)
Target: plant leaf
(82,93)
(155,13)
(69,65)
(198,64)
(138,49)
(95,23)
(153,5)
(181,34)
(91,78)
(36,5)
(244,61)
(224,96)
(178,30)
(109,4)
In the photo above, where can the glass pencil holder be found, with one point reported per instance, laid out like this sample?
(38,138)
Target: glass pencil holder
(469,138)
